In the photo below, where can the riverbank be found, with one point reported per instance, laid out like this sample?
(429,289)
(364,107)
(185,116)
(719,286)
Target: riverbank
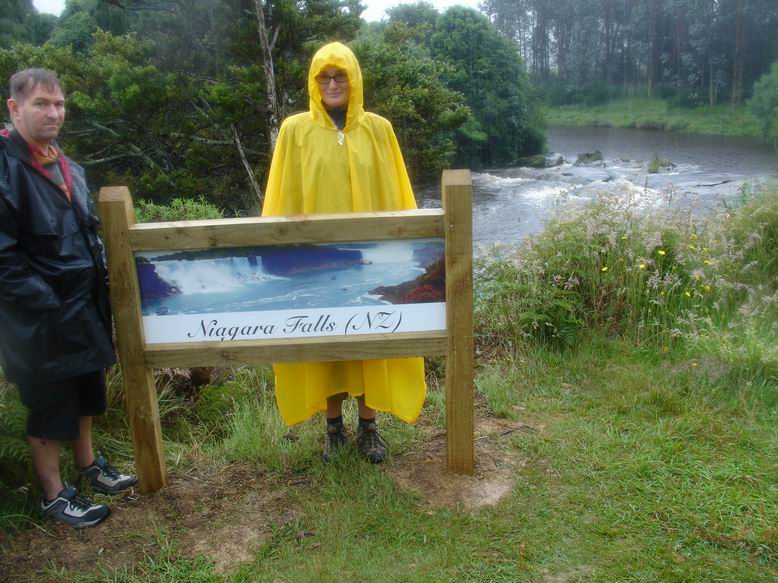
(627,399)
(657,114)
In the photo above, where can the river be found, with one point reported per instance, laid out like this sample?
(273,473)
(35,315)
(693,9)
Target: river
(511,203)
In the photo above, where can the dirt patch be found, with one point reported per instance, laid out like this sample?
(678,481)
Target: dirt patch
(581,573)
(424,471)
(224,515)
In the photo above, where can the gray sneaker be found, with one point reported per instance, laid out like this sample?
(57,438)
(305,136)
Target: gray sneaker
(334,439)
(105,478)
(370,442)
(75,510)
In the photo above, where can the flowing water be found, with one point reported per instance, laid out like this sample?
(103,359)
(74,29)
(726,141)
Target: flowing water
(236,284)
(706,172)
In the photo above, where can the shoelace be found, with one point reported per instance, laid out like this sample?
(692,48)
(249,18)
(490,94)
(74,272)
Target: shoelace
(80,502)
(109,470)
(373,438)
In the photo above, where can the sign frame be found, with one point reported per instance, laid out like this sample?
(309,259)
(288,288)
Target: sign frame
(123,238)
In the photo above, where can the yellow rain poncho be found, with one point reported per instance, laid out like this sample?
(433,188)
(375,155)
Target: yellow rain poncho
(317,168)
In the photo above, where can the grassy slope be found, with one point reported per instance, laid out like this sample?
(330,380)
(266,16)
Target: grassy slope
(643,469)
(654,113)
(649,463)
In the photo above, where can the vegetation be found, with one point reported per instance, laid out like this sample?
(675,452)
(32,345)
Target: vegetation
(171,98)
(657,114)
(688,51)
(764,105)
(179,209)
(658,163)
(506,123)
(639,347)
(21,22)
(630,351)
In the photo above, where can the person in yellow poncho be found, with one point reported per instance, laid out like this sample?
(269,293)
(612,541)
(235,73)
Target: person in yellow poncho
(339,158)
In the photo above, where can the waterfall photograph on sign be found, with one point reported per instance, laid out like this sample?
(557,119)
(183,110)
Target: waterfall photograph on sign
(299,276)
(291,291)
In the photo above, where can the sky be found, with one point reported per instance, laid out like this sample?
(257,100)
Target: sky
(373,12)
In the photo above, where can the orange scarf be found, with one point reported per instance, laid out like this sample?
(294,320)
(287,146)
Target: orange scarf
(41,160)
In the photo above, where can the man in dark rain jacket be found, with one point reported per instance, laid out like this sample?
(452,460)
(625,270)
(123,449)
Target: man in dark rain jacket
(55,323)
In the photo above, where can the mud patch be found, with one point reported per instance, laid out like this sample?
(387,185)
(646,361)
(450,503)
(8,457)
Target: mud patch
(224,514)
(424,471)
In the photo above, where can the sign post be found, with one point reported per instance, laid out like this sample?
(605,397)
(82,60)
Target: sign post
(258,254)
(457,198)
(140,393)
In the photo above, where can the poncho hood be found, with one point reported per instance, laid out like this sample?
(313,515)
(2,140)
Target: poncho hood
(336,55)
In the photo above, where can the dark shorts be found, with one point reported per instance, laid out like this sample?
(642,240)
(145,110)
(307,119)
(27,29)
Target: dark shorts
(54,408)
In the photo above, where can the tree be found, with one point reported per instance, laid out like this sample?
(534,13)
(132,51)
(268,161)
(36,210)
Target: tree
(691,51)
(22,23)
(485,67)
(74,31)
(404,84)
(764,104)
(270,77)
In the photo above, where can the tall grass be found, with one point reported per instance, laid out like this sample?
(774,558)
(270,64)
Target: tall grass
(653,276)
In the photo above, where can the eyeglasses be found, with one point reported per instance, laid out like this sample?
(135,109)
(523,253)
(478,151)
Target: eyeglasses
(324,79)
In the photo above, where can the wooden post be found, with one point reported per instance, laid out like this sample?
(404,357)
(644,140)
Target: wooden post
(457,197)
(140,393)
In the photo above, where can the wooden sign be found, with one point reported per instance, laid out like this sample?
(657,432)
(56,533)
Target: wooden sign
(143,261)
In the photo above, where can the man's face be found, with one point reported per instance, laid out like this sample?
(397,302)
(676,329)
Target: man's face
(334,94)
(39,116)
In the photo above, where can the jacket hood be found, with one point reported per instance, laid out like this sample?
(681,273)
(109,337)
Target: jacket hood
(336,55)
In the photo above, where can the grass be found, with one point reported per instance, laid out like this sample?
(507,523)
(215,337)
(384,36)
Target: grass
(652,386)
(657,114)
(657,164)
(646,469)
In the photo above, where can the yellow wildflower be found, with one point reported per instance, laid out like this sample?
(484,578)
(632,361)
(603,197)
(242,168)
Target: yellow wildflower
(642,266)
(688,295)
(706,262)
(604,268)
(661,252)
(623,237)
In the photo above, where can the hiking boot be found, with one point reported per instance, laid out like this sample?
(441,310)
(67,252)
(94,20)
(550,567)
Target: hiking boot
(105,478)
(69,507)
(370,442)
(335,439)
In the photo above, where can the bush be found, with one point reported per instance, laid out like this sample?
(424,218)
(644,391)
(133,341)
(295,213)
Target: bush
(685,97)
(179,209)
(656,277)
(657,164)
(764,104)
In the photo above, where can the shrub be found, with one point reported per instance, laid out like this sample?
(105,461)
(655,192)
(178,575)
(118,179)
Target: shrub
(179,209)
(764,104)
(656,277)
(657,164)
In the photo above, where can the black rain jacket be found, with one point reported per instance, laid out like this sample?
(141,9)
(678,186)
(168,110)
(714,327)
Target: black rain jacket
(55,318)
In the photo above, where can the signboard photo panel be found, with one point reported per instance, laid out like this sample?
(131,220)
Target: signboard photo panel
(292,291)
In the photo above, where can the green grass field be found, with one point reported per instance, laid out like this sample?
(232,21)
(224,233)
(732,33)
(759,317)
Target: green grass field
(657,114)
